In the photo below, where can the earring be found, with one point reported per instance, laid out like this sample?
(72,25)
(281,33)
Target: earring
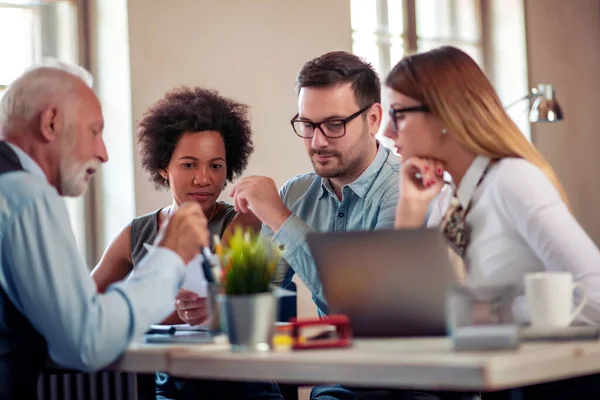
(444,131)
(166,181)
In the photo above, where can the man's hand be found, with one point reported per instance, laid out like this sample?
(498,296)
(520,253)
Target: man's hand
(260,194)
(185,231)
(190,308)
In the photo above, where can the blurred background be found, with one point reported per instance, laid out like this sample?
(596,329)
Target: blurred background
(251,50)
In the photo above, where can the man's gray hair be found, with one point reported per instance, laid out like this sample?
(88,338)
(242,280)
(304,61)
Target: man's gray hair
(36,88)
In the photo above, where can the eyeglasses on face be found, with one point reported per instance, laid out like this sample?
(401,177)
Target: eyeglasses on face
(332,128)
(396,113)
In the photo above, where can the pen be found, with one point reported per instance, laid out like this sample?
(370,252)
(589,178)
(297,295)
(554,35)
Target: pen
(206,265)
(162,330)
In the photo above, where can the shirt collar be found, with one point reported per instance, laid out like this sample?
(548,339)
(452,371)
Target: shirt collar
(469,182)
(28,163)
(326,187)
(363,183)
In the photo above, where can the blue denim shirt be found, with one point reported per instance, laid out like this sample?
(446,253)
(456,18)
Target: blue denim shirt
(367,203)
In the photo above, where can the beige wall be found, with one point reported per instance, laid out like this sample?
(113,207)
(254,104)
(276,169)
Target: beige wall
(249,50)
(563,43)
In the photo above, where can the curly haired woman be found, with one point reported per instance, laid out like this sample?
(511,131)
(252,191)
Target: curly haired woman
(193,141)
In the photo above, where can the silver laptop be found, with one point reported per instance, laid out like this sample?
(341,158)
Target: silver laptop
(388,282)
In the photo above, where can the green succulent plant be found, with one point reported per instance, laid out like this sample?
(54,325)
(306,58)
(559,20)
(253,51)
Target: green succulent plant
(249,263)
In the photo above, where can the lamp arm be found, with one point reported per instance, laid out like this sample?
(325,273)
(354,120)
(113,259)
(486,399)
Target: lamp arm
(532,93)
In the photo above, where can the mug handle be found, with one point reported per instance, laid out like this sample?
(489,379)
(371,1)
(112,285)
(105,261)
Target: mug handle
(583,301)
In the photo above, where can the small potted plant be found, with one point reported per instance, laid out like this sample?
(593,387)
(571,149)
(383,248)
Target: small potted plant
(248,305)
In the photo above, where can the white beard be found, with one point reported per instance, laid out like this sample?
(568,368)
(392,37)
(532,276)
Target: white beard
(73,182)
(72,178)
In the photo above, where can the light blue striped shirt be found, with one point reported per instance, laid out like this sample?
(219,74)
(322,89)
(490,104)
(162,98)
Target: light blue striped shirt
(46,279)
(367,203)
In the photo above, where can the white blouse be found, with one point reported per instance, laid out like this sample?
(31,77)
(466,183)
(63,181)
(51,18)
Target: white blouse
(520,224)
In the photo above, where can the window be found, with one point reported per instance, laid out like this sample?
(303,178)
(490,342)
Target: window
(31,30)
(384,30)
(17,41)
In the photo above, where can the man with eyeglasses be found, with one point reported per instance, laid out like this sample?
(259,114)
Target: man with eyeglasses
(354,185)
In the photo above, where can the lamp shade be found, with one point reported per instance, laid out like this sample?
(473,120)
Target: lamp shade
(545,107)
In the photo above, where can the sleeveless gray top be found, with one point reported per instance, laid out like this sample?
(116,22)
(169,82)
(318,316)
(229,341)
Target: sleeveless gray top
(145,228)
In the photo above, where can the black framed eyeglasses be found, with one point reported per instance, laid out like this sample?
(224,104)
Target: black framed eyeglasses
(396,113)
(330,128)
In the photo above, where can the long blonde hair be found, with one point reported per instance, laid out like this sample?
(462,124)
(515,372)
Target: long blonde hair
(457,91)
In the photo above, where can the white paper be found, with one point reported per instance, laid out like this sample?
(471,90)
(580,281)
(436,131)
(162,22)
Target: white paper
(194,277)
(281,292)
(194,280)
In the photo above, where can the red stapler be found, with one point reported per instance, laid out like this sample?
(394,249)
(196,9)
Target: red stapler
(342,333)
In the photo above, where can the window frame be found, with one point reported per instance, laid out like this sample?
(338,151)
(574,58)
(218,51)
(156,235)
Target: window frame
(410,37)
(86,221)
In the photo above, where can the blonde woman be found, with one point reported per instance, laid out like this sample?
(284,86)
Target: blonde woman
(445,116)
(506,214)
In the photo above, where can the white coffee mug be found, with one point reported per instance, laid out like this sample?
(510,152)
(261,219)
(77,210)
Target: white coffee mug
(550,299)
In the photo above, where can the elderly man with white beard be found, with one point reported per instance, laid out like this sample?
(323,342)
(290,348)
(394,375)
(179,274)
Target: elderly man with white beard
(50,146)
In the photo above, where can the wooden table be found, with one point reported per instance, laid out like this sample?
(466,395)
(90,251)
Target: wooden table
(390,363)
